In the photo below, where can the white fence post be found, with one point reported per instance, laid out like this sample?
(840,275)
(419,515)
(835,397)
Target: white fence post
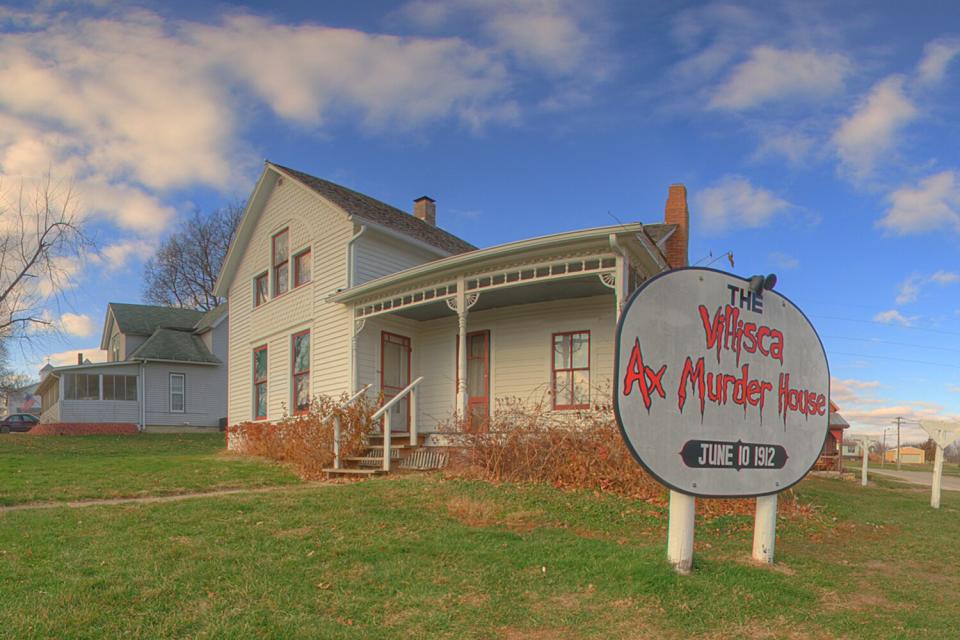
(413,417)
(386,441)
(765,529)
(866,462)
(683,511)
(937,474)
(336,442)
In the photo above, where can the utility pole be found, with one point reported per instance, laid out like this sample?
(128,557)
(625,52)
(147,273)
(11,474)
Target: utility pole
(899,420)
(883,449)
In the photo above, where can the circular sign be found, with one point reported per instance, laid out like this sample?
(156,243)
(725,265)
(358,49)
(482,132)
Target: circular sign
(721,391)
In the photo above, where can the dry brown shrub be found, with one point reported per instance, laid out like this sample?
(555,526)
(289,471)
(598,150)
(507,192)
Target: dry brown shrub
(306,441)
(527,443)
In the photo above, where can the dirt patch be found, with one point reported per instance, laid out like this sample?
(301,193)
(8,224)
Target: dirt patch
(483,513)
(299,532)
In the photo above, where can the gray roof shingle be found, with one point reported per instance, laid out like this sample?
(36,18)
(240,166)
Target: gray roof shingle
(211,318)
(176,346)
(367,208)
(143,320)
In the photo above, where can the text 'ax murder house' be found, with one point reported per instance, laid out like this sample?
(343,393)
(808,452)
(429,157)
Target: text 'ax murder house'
(330,290)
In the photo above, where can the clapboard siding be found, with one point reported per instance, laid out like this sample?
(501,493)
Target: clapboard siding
(326,230)
(203,392)
(376,255)
(521,349)
(98,411)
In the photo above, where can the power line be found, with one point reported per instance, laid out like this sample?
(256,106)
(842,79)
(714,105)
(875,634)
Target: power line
(893,342)
(886,324)
(864,355)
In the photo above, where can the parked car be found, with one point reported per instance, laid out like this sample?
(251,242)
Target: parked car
(18,422)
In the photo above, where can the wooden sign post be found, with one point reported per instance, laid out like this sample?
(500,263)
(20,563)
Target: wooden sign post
(941,433)
(722,392)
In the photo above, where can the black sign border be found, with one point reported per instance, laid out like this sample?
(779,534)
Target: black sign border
(616,386)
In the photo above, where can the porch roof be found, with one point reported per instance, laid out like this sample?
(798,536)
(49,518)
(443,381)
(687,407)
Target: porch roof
(566,265)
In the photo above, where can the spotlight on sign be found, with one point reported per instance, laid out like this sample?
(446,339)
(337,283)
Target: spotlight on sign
(761,282)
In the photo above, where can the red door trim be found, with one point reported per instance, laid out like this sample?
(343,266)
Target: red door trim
(404,340)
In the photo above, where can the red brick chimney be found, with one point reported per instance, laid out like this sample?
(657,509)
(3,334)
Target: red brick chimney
(79,358)
(425,208)
(676,212)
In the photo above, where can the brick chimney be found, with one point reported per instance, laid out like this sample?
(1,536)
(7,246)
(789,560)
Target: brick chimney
(79,358)
(425,208)
(676,212)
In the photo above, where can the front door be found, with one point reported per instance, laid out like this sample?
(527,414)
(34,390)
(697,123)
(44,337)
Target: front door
(395,377)
(478,381)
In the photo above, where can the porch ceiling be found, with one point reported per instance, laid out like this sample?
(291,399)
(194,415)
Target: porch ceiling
(543,291)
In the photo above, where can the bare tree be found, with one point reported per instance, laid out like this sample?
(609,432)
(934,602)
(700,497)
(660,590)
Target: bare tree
(184,271)
(41,242)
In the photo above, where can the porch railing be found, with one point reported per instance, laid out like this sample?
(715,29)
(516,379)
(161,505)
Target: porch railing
(337,425)
(384,411)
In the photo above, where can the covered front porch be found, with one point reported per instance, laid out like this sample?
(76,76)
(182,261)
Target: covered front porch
(533,321)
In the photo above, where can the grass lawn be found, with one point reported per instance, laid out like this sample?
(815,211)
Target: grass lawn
(949,468)
(422,557)
(41,468)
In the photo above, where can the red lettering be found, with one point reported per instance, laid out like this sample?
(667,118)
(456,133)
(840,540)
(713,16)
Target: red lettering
(713,330)
(692,375)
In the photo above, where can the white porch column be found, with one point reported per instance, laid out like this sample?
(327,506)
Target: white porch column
(462,304)
(355,355)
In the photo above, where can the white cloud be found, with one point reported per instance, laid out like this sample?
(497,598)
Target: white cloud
(937,56)
(845,392)
(772,74)
(115,256)
(909,290)
(735,202)
(794,146)
(78,325)
(871,129)
(932,204)
(892,316)
(782,260)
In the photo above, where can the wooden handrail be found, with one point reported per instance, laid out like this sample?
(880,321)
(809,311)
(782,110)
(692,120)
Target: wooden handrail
(395,399)
(410,389)
(336,425)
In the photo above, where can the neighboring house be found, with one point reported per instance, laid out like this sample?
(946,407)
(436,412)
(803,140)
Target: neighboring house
(908,455)
(22,400)
(330,290)
(851,449)
(165,371)
(830,456)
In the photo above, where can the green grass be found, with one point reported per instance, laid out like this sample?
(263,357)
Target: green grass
(42,468)
(949,468)
(423,557)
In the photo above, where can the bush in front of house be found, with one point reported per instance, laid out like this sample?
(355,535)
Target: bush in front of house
(306,441)
(528,443)
(84,429)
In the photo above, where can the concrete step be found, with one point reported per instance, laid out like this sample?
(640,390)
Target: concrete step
(354,472)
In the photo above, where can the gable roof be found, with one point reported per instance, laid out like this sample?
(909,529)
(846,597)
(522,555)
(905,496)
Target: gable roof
(211,318)
(143,320)
(172,345)
(370,209)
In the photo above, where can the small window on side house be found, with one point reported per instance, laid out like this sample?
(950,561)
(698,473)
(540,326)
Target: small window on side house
(178,393)
(261,286)
(115,347)
(260,383)
(571,370)
(301,268)
(300,351)
(281,263)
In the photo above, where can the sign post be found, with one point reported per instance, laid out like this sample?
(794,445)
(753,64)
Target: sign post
(941,432)
(722,392)
(866,461)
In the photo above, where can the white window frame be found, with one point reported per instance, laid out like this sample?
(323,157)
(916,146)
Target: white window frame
(183,392)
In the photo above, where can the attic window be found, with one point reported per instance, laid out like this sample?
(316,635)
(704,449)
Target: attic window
(281,263)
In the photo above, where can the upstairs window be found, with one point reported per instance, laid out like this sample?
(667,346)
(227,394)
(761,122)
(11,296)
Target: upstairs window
(281,263)
(261,288)
(571,370)
(178,393)
(301,268)
(115,347)
(301,372)
(260,383)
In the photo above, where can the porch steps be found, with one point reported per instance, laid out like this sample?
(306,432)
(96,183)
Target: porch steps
(354,472)
(402,457)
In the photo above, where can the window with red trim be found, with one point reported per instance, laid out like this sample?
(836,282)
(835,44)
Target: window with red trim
(260,382)
(281,263)
(260,289)
(301,268)
(571,370)
(300,368)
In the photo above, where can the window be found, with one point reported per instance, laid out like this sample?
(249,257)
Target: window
(301,268)
(178,393)
(301,372)
(120,388)
(115,347)
(571,370)
(260,383)
(81,386)
(260,289)
(281,263)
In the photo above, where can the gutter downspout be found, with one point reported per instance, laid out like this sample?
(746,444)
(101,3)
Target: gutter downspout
(351,278)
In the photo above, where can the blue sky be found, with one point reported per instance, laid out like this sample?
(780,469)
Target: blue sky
(816,142)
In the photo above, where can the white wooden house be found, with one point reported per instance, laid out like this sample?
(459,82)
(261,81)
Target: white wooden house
(330,290)
(165,371)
